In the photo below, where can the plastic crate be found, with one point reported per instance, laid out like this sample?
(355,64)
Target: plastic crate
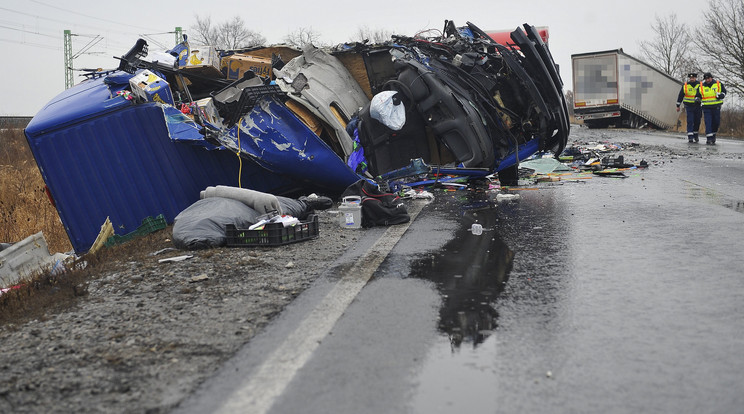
(273,234)
(616,162)
(232,106)
(149,225)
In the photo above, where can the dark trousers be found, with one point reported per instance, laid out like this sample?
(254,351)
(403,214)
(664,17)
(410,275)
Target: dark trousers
(694,113)
(712,115)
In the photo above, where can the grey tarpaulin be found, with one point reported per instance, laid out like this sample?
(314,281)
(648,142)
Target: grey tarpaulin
(261,202)
(202,224)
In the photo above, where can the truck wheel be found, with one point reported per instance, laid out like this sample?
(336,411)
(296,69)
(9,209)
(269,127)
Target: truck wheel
(509,176)
(635,121)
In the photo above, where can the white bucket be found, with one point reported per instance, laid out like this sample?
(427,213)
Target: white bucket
(350,210)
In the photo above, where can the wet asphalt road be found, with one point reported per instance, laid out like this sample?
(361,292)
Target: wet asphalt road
(597,295)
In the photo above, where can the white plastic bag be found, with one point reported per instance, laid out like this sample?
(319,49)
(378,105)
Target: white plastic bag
(383,109)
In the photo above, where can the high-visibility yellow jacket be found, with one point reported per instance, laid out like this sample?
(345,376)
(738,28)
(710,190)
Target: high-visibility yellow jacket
(690,92)
(708,93)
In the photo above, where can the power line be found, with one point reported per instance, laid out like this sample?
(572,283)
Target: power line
(30,44)
(95,39)
(34,16)
(28,31)
(55,36)
(66,23)
(110,44)
(152,40)
(85,48)
(90,17)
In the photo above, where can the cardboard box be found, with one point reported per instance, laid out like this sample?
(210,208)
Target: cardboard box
(204,56)
(150,87)
(234,66)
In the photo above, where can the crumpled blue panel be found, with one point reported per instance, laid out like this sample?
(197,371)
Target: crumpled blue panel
(272,136)
(181,128)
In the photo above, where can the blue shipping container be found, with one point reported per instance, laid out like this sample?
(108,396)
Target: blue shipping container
(102,156)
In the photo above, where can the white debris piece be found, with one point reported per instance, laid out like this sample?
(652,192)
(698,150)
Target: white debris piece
(28,257)
(176,259)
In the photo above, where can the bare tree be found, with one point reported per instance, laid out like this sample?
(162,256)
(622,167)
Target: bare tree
(202,32)
(232,34)
(670,51)
(376,36)
(303,36)
(721,42)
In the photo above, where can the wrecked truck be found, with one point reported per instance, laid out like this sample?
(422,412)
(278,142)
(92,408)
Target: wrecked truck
(612,88)
(145,138)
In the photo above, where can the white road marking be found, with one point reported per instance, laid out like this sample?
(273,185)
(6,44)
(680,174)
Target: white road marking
(271,378)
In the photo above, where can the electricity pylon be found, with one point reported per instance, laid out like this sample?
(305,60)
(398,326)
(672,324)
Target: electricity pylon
(68,59)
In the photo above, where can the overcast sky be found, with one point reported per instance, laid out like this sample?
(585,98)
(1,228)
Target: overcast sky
(31,31)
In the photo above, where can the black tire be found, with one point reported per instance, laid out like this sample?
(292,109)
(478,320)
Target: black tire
(594,124)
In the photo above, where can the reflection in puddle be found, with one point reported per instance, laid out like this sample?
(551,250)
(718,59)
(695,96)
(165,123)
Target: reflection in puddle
(469,271)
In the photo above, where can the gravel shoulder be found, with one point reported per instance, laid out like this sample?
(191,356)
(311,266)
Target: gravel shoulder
(146,334)
(142,335)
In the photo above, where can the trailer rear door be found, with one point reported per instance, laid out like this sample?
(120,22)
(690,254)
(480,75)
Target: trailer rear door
(595,81)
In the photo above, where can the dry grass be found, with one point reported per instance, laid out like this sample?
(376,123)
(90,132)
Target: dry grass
(732,123)
(25,208)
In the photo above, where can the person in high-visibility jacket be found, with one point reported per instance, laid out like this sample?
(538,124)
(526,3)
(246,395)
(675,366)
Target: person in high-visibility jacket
(688,96)
(711,93)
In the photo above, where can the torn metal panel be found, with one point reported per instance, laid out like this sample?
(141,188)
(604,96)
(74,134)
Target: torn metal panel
(273,137)
(453,117)
(542,68)
(321,83)
(486,105)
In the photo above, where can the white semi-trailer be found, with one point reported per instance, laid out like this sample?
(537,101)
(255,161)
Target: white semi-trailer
(612,88)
